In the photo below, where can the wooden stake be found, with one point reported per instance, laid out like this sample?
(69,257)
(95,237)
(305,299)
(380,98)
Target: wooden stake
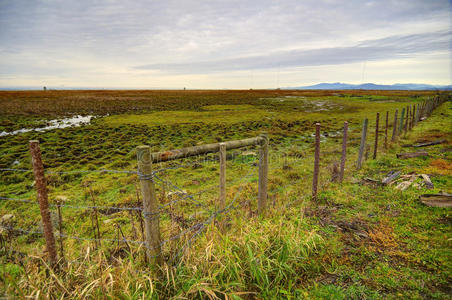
(416,119)
(362,145)
(344,152)
(386,129)
(407,118)
(413,107)
(222,155)
(150,206)
(60,229)
(402,115)
(315,178)
(263,174)
(41,189)
(377,121)
(394,126)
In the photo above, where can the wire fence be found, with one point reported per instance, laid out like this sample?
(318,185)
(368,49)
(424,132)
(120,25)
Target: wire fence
(174,220)
(178,195)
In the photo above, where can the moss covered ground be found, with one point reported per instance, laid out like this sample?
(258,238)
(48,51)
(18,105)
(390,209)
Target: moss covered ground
(357,241)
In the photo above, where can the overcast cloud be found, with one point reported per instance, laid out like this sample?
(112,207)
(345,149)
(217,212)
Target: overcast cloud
(223,44)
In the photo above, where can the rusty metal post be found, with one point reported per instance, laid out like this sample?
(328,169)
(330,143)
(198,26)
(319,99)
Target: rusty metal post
(315,178)
(344,152)
(377,121)
(41,189)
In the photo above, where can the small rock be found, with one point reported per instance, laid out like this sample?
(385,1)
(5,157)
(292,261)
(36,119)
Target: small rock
(7,217)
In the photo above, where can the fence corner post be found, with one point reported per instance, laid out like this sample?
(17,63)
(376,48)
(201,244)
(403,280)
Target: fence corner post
(263,174)
(150,206)
(41,189)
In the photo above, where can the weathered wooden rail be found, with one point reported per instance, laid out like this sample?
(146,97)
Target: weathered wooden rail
(150,202)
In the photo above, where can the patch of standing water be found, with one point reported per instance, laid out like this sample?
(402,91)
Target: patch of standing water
(54,124)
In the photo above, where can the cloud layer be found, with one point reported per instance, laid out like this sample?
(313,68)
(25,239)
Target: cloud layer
(172,43)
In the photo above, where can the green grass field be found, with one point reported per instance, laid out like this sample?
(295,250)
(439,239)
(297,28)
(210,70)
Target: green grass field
(357,241)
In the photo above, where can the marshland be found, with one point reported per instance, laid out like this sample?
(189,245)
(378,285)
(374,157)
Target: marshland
(356,240)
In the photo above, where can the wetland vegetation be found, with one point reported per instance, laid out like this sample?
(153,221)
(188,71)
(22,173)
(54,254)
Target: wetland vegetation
(358,241)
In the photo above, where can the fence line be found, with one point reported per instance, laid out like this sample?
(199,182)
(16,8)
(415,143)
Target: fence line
(409,118)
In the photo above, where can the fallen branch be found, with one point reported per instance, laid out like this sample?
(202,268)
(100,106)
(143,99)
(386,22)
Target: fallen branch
(406,184)
(411,154)
(390,177)
(370,181)
(437,200)
(427,181)
(429,143)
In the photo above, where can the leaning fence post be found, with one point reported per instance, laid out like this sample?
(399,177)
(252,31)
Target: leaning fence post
(222,155)
(344,152)
(386,129)
(362,145)
(377,121)
(315,177)
(150,205)
(394,126)
(41,189)
(263,174)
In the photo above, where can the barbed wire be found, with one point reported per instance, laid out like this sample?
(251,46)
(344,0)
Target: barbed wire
(73,171)
(15,170)
(203,225)
(11,228)
(74,206)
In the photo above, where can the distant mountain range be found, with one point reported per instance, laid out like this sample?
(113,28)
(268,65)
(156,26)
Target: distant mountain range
(371,86)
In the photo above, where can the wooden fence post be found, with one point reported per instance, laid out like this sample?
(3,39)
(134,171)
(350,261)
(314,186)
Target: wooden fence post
(150,206)
(406,119)
(263,174)
(416,117)
(222,155)
(413,112)
(394,126)
(386,129)
(60,229)
(344,152)
(41,189)
(377,121)
(362,145)
(402,115)
(315,178)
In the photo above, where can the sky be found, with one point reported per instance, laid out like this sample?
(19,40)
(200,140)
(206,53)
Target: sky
(223,44)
